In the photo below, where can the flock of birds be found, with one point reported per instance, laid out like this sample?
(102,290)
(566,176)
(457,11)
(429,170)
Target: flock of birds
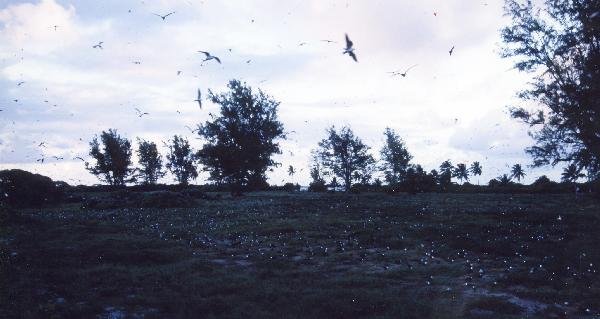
(349,49)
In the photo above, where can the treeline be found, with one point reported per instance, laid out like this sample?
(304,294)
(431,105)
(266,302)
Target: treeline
(239,144)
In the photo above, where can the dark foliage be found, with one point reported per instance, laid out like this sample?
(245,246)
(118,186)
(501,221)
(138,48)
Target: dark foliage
(180,160)
(19,188)
(345,156)
(242,139)
(395,158)
(151,168)
(113,158)
(560,45)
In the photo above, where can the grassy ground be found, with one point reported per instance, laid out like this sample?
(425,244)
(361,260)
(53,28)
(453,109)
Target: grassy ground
(303,255)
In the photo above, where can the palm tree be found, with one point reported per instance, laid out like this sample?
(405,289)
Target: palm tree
(571,174)
(461,172)
(504,180)
(517,172)
(476,170)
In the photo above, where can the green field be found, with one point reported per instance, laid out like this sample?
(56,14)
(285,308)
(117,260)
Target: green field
(308,255)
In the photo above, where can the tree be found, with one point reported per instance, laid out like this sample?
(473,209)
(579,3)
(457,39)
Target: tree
(316,174)
(560,44)
(445,175)
(517,172)
(476,170)
(241,141)
(345,156)
(113,158)
(461,172)
(181,160)
(571,174)
(150,161)
(395,157)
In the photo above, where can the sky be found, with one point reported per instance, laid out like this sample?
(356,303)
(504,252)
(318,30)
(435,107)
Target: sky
(56,88)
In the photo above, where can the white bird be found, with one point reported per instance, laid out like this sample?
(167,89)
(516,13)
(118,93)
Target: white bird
(349,49)
(210,57)
(199,99)
(403,74)
(164,16)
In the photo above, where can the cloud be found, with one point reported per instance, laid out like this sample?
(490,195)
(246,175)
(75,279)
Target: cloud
(447,106)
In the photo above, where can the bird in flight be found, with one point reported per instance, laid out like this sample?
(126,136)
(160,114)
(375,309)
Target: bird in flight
(137,62)
(349,49)
(98,46)
(140,113)
(20,83)
(191,130)
(210,57)
(164,16)
(58,158)
(79,158)
(435,14)
(178,72)
(199,99)
(42,144)
(41,160)
(451,50)
(302,44)
(403,74)
(328,41)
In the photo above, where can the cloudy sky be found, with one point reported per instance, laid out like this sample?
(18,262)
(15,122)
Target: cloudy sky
(56,88)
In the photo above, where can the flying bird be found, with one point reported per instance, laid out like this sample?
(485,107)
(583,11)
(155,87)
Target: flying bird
(349,49)
(79,158)
(178,72)
(210,57)
(199,99)
(41,160)
(58,158)
(42,144)
(302,44)
(451,50)
(595,14)
(98,46)
(137,62)
(140,113)
(191,130)
(164,16)
(20,83)
(328,41)
(403,74)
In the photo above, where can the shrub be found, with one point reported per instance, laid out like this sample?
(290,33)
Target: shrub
(20,188)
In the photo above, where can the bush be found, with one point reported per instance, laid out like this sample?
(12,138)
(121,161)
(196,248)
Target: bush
(19,188)
(317,187)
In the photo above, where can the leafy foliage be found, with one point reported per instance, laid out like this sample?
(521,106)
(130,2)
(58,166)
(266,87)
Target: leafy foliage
(395,157)
(24,189)
(571,174)
(560,45)
(113,158)
(241,141)
(181,160)
(344,155)
(150,161)
(461,172)
(517,172)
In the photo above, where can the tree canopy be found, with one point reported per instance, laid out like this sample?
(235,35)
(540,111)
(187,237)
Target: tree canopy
(559,43)
(240,142)
(113,158)
(181,160)
(395,157)
(151,165)
(344,155)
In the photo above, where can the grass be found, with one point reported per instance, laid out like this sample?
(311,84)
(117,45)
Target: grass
(304,255)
